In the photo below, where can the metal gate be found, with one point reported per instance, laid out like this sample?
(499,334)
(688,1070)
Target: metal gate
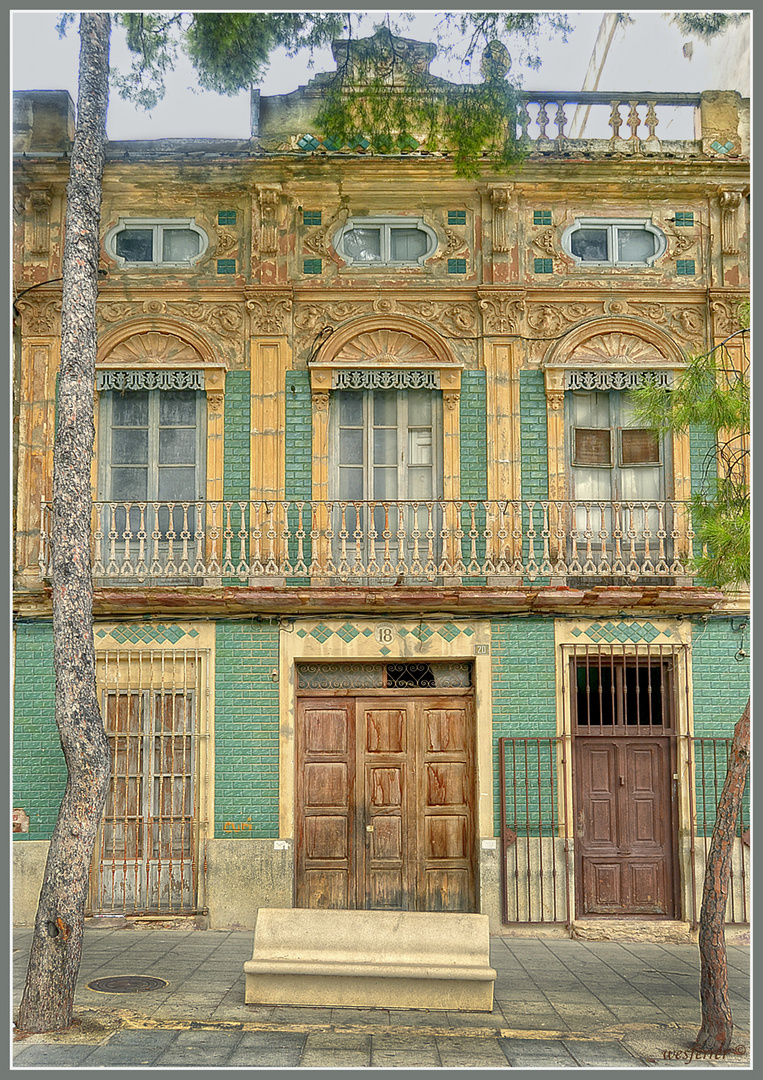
(151,841)
(537,834)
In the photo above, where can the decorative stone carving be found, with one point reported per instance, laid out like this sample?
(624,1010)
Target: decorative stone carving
(40,315)
(149,380)
(215,401)
(320,401)
(224,319)
(451,400)
(687,321)
(269,313)
(155,349)
(269,196)
(554,399)
(385,347)
(311,317)
(454,244)
(452,319)
(501,312)
(115,311)
(679,243)
(616,349)
(725,317)
(458,320)
(545,241)
(501,198)
(226,243)
(40,220)
(729,202)
(547,320)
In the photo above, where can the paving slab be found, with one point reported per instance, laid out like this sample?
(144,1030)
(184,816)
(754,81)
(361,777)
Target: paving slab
(335,1059)
(405,1058)
(599,1054)
(536,1054)
(52,1055)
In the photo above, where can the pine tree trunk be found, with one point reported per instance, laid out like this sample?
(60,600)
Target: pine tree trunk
(717,1026)
(56,951)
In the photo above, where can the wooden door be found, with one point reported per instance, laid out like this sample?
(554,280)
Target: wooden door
(624,826)
(325,834)
(386,762)
(446,805)
(385,803)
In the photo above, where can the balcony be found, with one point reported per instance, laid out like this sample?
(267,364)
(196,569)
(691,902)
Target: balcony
(387,543)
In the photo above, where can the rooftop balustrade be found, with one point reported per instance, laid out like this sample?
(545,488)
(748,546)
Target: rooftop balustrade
(382,543)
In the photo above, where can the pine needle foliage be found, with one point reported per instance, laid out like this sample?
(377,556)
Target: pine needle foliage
(714,392)
(374,94)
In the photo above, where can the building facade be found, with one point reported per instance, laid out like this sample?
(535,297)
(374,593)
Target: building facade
(394,603)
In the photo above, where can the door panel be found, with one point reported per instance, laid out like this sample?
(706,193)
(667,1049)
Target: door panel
(385,760)
(325,743)
(446,805)
(624,836)
(385,804)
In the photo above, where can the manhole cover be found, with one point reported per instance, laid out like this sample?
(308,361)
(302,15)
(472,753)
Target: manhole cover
(126,984)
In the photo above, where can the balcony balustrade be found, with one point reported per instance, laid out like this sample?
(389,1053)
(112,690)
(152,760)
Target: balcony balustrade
(386,542)
(549,120)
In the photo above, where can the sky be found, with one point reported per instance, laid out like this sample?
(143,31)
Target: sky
(646,55)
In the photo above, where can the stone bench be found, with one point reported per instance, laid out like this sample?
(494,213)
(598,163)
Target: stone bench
(381,959)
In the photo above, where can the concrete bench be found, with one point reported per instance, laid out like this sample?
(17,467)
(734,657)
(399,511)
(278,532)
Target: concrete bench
(382,959)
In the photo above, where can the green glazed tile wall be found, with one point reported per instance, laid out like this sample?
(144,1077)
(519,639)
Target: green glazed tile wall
(246,729)
(524,696)
(39,766)
(237,435)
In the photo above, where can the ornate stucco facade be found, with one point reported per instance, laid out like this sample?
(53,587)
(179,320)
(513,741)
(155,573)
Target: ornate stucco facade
(291,600)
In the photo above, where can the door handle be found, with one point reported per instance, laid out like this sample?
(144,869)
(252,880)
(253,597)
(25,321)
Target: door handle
(581,824)
(369,828)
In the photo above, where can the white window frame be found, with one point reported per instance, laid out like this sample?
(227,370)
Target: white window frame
(157,226)
(612,225)
(385,226)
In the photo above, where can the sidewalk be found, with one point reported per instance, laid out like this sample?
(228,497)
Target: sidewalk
(557,1003)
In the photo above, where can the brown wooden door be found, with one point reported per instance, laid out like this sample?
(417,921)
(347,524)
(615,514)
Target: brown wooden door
(624,826)
(325,784)
(385,803)
(446,805)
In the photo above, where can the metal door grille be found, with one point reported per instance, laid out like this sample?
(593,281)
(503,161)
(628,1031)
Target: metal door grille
(537,845)
(151,842)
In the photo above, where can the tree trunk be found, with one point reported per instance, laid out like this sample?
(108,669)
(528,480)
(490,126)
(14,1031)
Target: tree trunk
(59,926)
(717,1027)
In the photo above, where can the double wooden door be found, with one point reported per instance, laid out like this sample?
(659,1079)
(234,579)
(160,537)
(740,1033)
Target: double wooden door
(385,802)
(624,836)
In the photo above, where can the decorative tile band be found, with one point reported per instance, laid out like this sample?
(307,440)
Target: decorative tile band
(349,631)
(145,635)
(622,632)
